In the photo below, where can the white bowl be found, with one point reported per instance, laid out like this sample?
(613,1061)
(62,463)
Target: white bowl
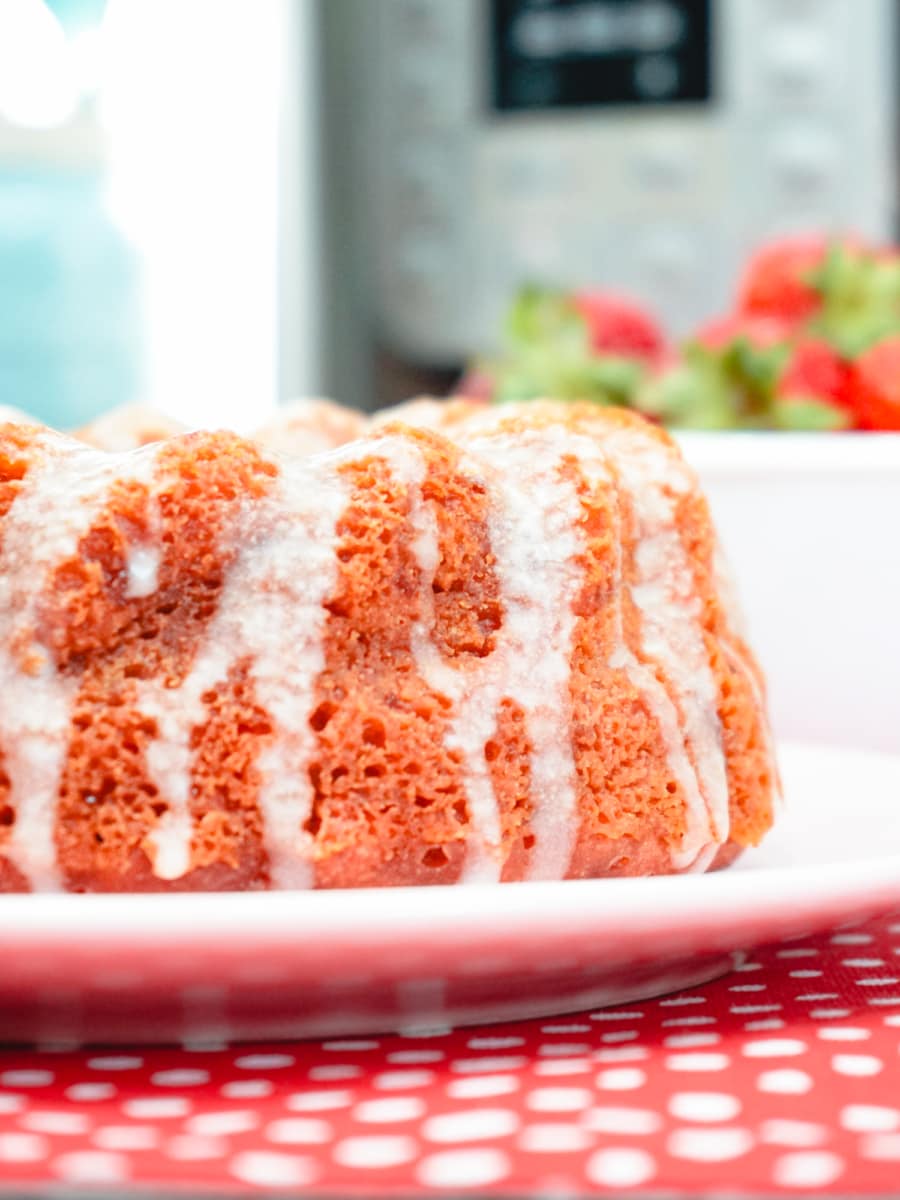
(811,526)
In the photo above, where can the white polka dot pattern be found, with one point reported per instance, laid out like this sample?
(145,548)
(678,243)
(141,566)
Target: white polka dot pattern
(807,1170)
(298,1131)
(369,1152)
(786,1132)
(709,1145)
(704,1106)
(464,1169)
(774,1082)
(617,1167)
(785,1082)
(869,1118)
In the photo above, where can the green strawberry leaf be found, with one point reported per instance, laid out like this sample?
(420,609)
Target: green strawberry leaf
(806,414)
(540,314)
(549,353)
(690,395)
(615,376)
(860,299)
(549,371)
(757,368)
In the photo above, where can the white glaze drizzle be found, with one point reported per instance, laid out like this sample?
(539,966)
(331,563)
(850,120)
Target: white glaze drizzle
(595,467)
(665,593)
(739,662)
(464,688)
(697,832)
(421,413)
(143,572)
(726,590)
(271,614)
(536,541)
(298,571)
(176,712)
(63,492)
(737,623)
(535,544)
(145,557)
(473,715)
(647,472)
(704,860)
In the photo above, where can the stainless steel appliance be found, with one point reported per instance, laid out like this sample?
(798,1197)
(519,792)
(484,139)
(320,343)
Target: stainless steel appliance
(643,145)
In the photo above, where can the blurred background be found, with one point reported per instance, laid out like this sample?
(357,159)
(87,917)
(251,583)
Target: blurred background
(214,205)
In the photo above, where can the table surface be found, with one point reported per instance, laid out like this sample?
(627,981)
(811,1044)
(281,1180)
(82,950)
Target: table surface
(781,1077)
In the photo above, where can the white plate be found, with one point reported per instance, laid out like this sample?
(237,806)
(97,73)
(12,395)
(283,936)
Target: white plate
(263,965)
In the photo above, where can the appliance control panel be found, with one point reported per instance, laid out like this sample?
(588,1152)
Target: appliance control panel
(640,145)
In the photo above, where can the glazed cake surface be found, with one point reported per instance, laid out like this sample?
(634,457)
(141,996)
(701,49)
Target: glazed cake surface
(503,651)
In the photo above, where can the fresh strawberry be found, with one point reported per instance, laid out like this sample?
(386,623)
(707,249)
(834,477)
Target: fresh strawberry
(814,369)
(550,348)
(875,386)
(725,380)
(620,327)
(760,332)
(812,391)
(777,282)
(751,373)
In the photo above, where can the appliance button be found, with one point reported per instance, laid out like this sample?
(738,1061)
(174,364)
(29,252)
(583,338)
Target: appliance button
(656,76)
(663,164)
(796,60)
(804,159)
(811,11)
(537,173)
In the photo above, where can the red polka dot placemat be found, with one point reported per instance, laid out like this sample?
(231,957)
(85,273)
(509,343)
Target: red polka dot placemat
(784,1076)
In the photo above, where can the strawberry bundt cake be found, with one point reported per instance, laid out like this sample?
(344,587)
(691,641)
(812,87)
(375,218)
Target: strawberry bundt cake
(503,653)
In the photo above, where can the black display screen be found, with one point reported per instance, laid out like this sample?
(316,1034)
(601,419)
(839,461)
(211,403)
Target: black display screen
(581,53)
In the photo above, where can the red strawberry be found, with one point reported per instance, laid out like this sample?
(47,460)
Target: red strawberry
(775,281)
(815,369)
(620,327)
(813,388)
(760,332)
(875,386)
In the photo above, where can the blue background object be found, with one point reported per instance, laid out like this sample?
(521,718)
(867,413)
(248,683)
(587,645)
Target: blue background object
(69,298)
(70,322)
